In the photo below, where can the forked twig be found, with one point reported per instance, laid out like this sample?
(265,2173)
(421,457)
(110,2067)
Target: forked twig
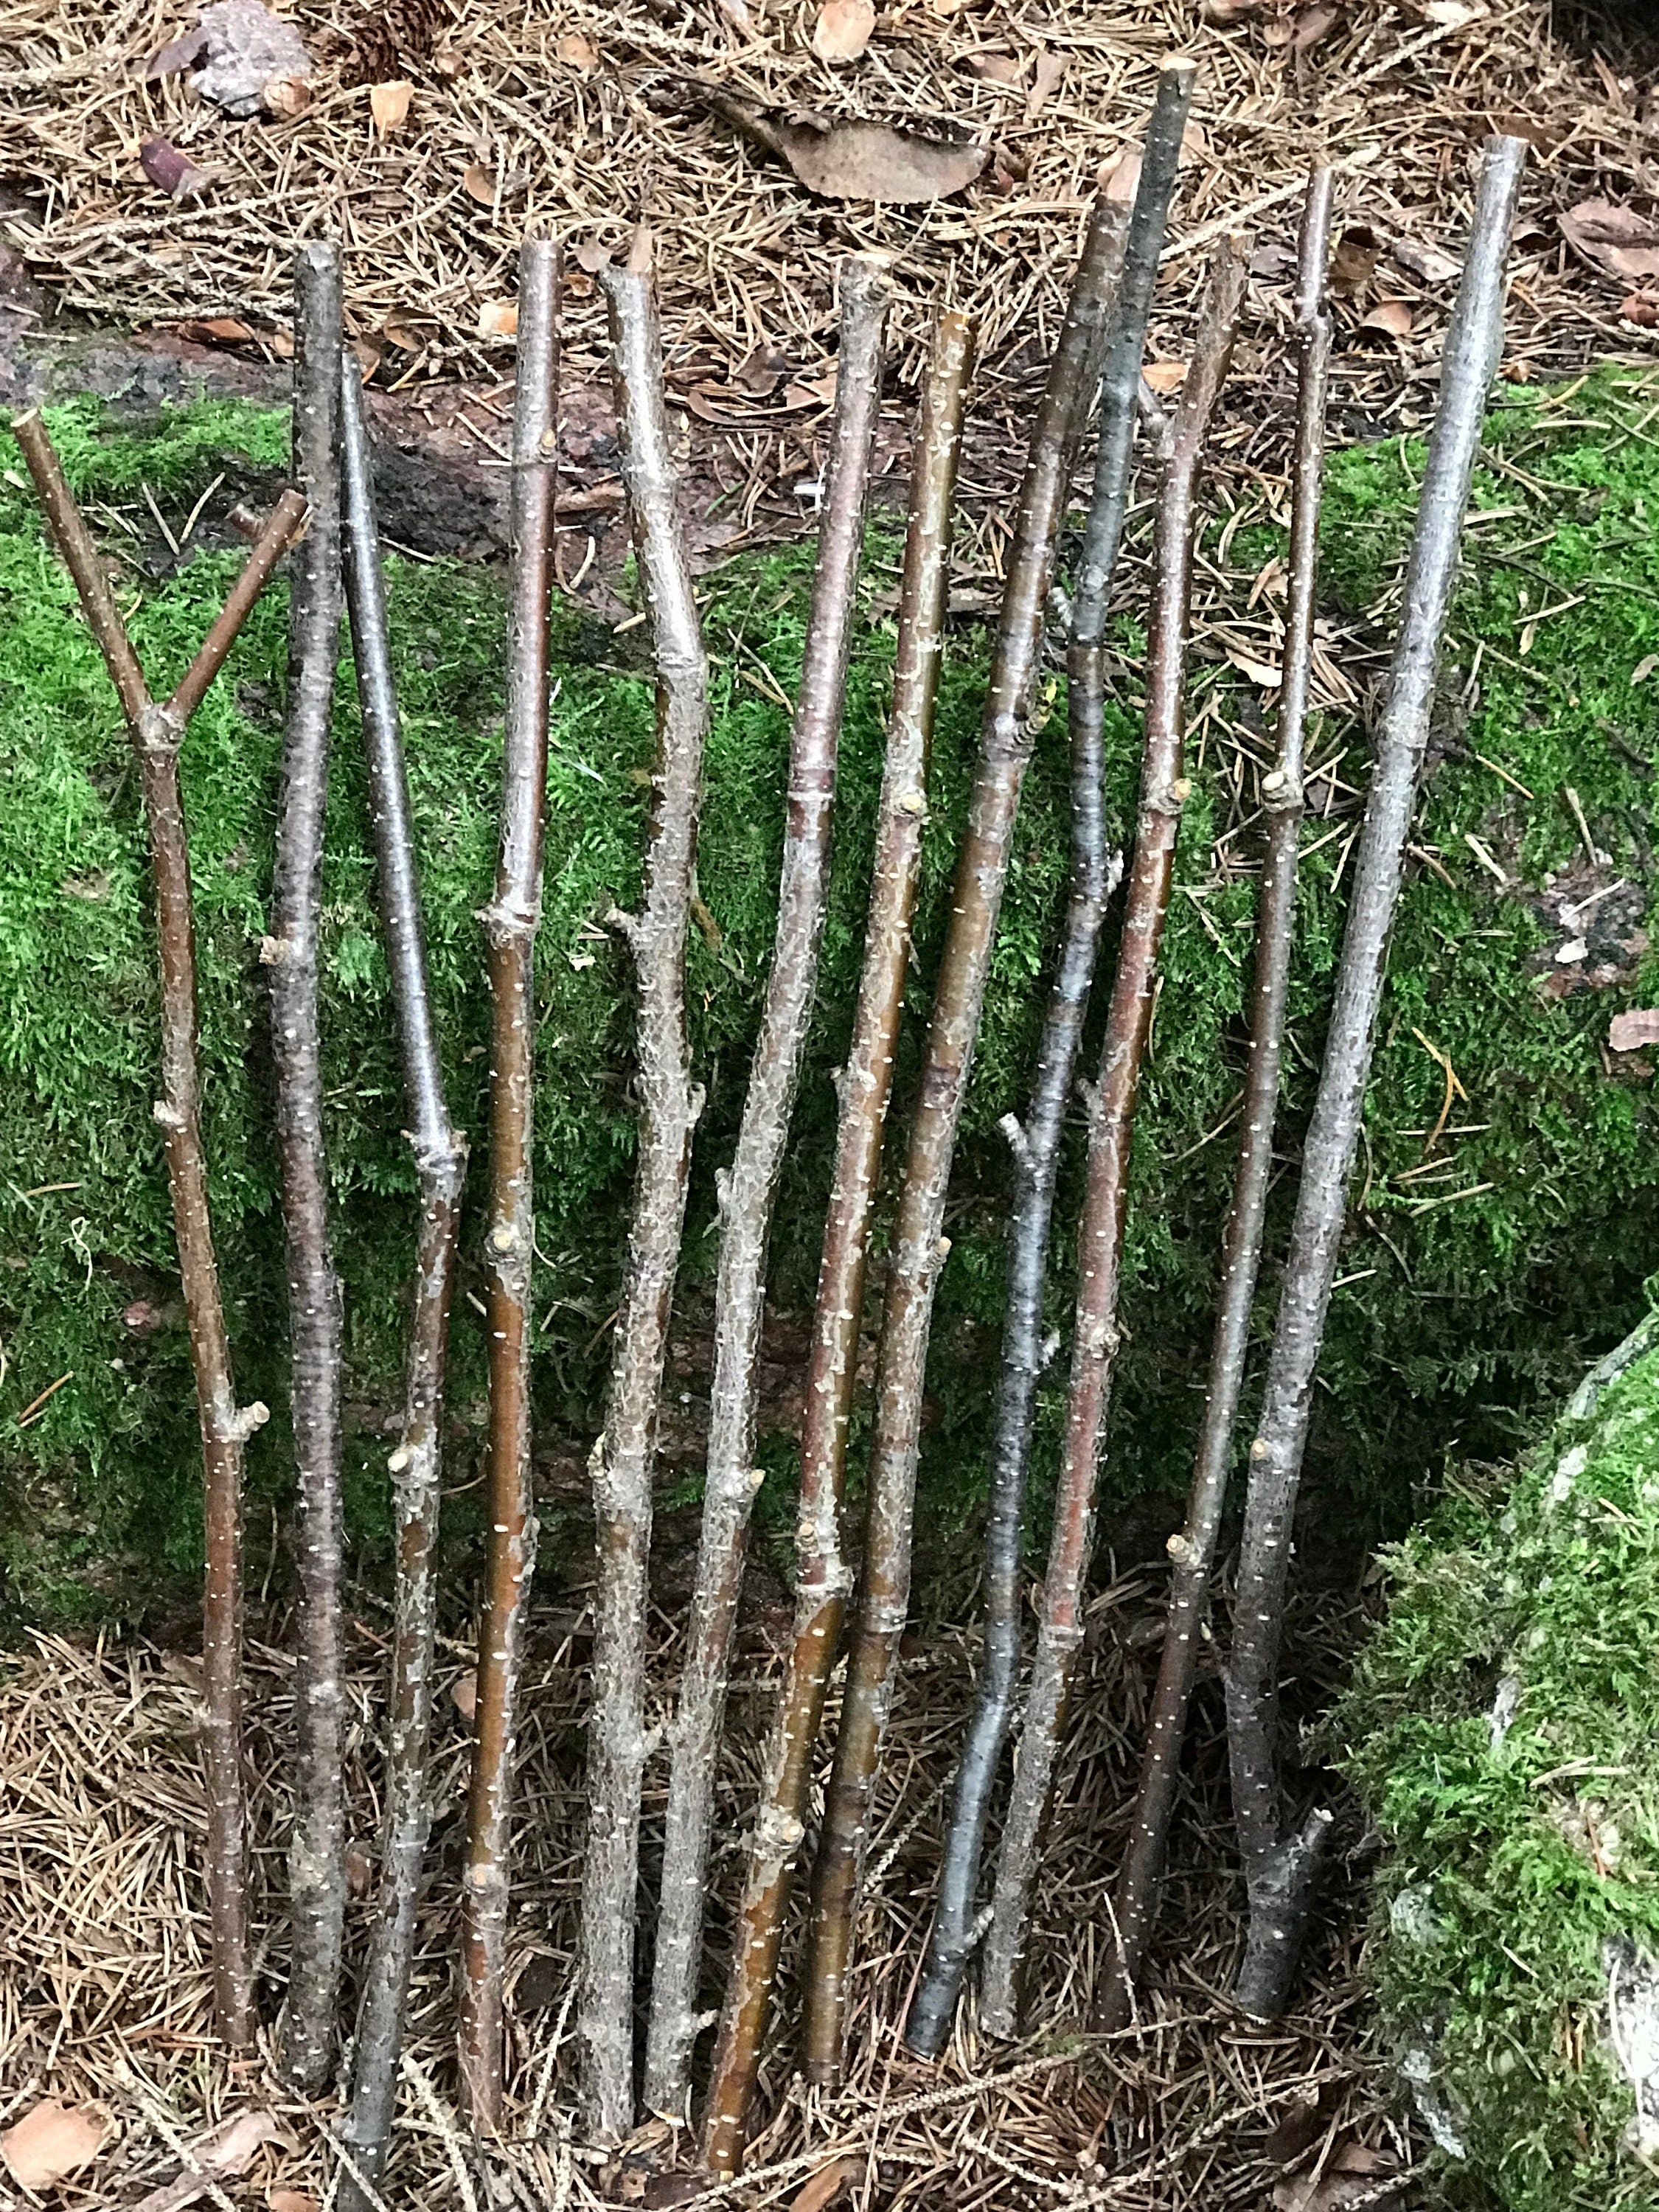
(156,732)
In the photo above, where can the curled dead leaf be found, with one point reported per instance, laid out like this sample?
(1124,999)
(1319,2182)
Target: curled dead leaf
(1392,317)
(286,97)
(1164,377)
(853,161)
(1629,1032)
(51,2141)
(498,318)
(1641,309)
(1613,238)
(359,1870)
(215,330)
(403,330)
(1045,80)
(175,173)
(828,2183)
(211,2159)
(842,30)
(389,105)
(1311,25)
(1359,249)
(577,53)
(479,184)
(1194,145)
(463,1694)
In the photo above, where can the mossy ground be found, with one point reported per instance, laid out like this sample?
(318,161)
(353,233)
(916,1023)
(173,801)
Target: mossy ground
(1466,1305)
(1518,1854)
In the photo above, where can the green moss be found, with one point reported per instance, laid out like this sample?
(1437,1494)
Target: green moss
(1518,1855)
(1458,1319)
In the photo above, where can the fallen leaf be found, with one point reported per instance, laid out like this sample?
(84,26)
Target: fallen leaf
(827,2183)
(248,53)
(49,2142)
(449,62)
(1431,263)
(854,160)
(479,184)
(291,2200)
(1311,25)
(1613,238)
(577,53)
(175,173)
(463,1694)
(215,330)
(1357,253)
(285,97)
(1277,32)
(1194,146)
(389,105)
(402,329)
(1630,1032)
(359,1870)
(1644,668)
(498,318)
(842,30)
(762,371)
(369,353)
(1121,181)
(227,2151)
(1045,80)
(177,54)
(591,256)
(1258,671)
(995,68)
(1228,11)
(1164,376)
(1451,14)
(812,392)
(1641,309)
(1393,317)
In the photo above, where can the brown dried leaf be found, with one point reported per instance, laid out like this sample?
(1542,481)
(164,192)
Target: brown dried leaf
(389,105)
(1164,376)
(853,161)
(291,2200)
(285,97)
(994,67)
(842,30)
(359,1870)
(1045,80)
(404,330)
(1630,1031)
(1432,264)
(1354,261)
(577,53)
(1392,317)
(463,1694)
(1228,11)
(1613,238)
(827,2183)
(498,318)
(479,184)
(215,330)
(51,2141)
(1641,309)
(762,371)
(1311,25)
(1120,179)
(369,353)
(228,2150)
(175,173)
(177,54)
(1194,145)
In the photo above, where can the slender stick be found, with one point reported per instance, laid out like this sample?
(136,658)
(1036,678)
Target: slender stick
(316,1858)
(1135,1904)
(748,1191)
(1281,1857)
(919,1247)
(824,1580)
(510,923)
(1037,1143)
(416,1466)
(1163,788)
(668,1106)
(156,734)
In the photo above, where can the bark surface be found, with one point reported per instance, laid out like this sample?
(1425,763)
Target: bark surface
(416,1466)
(748,1192)
(1100,1232)
(918,1245)
(510,923)
(1282,1855)
(1035,1142)
(316,1857)
(668,1106)
(824,1580)
(156,733)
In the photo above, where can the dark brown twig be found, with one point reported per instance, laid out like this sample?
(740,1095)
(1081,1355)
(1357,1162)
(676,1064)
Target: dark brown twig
(316,1858)
(1164,789)
(416,1466)
(1282,1856)
(510,923)
(668,1106)
(823,1579)
(1193,1551)
(156,733)
(919,1244)
(1035,1143)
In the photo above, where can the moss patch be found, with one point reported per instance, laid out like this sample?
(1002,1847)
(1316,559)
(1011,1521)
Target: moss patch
(1469,1293)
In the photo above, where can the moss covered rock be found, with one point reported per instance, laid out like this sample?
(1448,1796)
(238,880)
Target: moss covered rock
(1503,1726)
(1505,1210)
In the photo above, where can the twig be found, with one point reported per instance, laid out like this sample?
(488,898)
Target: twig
(1036,1144)
(416,1466)
(823,1579)
(918,1244)
(749,1189)
(510,923)
(1164,789)
(156,733)
(1135,1904)
(316,1858)
(1282,1857)
(669,1108)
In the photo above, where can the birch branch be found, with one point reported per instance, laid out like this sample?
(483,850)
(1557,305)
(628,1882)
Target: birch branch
(748,1191)
(1282,1856)
(316,1858)
(1164,789)
(416,1466)
(669,1108)
(156,733)
(824,1580)
(510,923)
(1037,1155)
(1193,1552)
(918,1244)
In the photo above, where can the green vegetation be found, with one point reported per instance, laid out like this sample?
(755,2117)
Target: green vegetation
(1460,1315)
(1502,1727)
